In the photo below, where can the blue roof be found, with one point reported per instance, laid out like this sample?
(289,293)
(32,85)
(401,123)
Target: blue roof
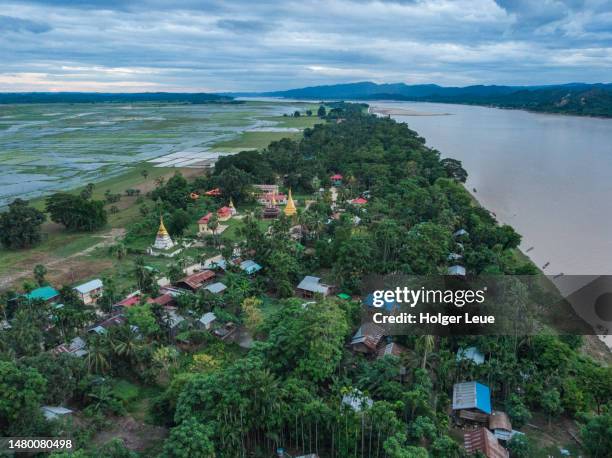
(44,292)
(250,266)
(483,398)
(388,305)
(472,395)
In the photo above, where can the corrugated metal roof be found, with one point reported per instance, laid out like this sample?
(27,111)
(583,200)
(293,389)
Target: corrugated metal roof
(313,284)
(500,420)
(472,395)
(89,286)
(482,440)
(44,292)
(216,288)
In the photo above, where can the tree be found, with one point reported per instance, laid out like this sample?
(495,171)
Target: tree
(213,225)
(321,112)
(144,173)
(178,222)
(235,183)
(454,169)
(20,226)
(597,434)
(189,439)
(39,274)
(22,391)
(517,411)
(75,212)
(142,317)
(251,309)
(520,446)
(551,403)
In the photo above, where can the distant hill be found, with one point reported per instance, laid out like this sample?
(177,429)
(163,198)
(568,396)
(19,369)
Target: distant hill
(99,97)
(574,98)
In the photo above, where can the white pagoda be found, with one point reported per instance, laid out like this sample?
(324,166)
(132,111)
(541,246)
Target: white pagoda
(162,240)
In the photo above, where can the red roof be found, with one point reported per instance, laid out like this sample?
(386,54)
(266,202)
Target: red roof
(198,280)
(129,301)
(278,197)
(204,219)
(359,201)
(213,192)
(164,299)
(337,176)
(224,211)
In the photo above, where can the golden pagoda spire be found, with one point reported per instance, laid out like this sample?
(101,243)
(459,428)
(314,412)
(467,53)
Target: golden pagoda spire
(290,209)
(162,229)
(231,203)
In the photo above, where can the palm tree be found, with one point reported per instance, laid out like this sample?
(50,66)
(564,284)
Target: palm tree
(213,225)
(97,355)
(426,345)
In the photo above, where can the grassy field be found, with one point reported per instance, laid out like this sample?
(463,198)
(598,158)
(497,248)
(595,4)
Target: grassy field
(73,257)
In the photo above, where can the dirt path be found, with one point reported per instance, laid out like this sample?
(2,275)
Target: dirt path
(56,264)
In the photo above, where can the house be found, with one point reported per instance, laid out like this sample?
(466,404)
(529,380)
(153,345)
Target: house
(165,300)
(46,294)
(226,331)
(471,354)
(456,270)
(55,412)
(203,224)
(250,267)
(90,292)
(499,424)
(206,321)
(472,400)
(216,288)
(389,305)
(216,192)
(272,198)
(196,281)
(356,400)
(130,301)
(77,347)
(460,233)
(483,441)
(336,179)
(391,349)
(101,328)
(261,189)
(309,286)
(359,201)
(367,338)
(174,322)
(225,213)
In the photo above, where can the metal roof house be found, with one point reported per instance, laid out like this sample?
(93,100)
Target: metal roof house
(207,320)
(76,347)
(456,270)
(216,288)
(367,338)
(309,286)
(44,293)
(196,281)
(250,267)
(472,395)
(483,441)
(55,412)
(90,291)
(500,424)
(472,354)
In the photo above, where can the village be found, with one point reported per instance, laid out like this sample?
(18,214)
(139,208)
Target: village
(227,288)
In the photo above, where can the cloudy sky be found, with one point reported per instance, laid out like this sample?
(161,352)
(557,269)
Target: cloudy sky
(246,45)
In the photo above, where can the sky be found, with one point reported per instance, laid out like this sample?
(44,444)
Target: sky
(247,45)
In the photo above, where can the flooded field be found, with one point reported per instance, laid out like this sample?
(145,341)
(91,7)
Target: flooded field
(51,147)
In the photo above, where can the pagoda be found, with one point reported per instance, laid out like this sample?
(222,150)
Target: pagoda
(232,208)
(162,240)
(271,211)
(290,209)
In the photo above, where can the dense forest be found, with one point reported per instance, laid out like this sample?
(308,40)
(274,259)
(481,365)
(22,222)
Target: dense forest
(576,99)
(300,386)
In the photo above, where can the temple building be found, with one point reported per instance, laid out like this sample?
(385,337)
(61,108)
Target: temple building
(271,211)
(290,209)
(162,240)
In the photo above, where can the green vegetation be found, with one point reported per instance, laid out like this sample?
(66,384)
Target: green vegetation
(286,377)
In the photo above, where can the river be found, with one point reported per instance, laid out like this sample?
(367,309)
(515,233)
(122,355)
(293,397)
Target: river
(549,176)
